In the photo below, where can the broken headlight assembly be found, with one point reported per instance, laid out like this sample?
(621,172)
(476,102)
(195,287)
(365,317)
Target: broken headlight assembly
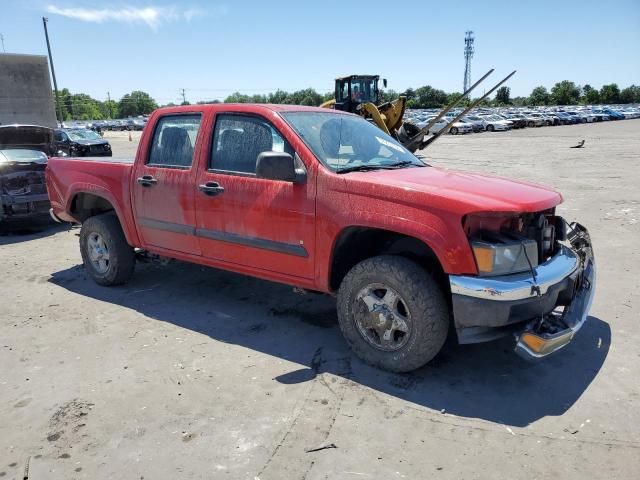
(503,244)
(502,254)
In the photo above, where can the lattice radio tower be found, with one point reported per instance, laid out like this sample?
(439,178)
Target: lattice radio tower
(468,55)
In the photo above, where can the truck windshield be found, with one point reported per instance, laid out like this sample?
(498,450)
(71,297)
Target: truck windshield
(347,142)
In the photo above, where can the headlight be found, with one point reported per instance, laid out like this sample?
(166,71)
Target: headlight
(504,255)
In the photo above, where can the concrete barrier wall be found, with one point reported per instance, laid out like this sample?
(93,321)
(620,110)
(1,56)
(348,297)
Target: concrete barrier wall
(25,90)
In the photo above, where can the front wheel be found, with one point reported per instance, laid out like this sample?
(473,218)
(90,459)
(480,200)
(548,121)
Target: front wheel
(454,131)
(490,128)
(106,255)
(392,313)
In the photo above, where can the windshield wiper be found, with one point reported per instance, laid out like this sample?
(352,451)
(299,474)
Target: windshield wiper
(366,168)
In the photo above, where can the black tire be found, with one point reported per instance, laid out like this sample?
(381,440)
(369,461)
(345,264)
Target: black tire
(490,128)
(531,124)
(120,255)
(423,302)
(453,131)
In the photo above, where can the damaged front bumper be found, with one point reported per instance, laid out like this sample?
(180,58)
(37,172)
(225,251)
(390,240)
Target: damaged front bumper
(17,207)
(542,313)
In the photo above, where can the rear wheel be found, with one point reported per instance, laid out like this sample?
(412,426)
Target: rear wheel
(107,257)
(392,313)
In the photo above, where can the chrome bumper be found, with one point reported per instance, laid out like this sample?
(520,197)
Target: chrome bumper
(518,286)
(54,217)
(487,305)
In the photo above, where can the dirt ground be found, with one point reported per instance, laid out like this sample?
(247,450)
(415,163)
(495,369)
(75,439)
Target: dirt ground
(194,373)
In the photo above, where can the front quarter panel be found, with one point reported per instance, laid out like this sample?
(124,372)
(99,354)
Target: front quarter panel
(341,204)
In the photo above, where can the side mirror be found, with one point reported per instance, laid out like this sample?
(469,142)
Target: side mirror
(278,166)
(384,82)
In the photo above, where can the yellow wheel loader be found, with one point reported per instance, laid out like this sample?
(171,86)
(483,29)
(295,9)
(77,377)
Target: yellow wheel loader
(360,94)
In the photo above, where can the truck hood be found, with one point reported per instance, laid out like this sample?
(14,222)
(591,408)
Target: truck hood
(34,137)
(463,192)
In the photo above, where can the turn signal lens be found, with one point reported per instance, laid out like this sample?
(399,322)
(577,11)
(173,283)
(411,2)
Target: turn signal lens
(484,258)
(534,342)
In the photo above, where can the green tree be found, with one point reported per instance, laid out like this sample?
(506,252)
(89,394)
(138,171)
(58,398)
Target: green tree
(237,97)
(610,93)
(85,108)
(386,96)
(452,97)
(109,109)
(503,96)
(539,96)
(279,96)
(630,94)
(136,103)
(565,93)
(410,93)
(64,97)
(427,97)
(590,95)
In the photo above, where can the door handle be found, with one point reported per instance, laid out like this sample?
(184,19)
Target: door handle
(211,188)
(147,180)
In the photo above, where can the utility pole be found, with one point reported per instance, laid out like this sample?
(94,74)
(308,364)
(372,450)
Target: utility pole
(2,40)
(109,100)
(184,98)
(53,72)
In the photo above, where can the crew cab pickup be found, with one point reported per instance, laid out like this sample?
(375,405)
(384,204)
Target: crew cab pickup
(324,201)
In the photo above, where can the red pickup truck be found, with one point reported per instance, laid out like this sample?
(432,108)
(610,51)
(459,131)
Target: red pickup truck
(324,201)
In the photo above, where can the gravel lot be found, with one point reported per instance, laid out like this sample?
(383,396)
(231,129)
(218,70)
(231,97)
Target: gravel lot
(189,372)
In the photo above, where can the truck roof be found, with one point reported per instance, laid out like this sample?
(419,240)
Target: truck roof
(245,107)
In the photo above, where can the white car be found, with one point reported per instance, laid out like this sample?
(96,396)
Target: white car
(495,123)
(460,127)
(443,122)
(630,113)
(535,119)
(476,125)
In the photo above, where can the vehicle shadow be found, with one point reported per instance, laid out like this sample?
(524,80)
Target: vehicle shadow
(486,381)
(11,233)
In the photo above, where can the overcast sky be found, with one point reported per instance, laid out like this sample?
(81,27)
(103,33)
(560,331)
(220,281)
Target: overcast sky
(214,48)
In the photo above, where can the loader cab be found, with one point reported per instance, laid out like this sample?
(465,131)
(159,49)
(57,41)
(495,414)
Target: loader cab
(354,90)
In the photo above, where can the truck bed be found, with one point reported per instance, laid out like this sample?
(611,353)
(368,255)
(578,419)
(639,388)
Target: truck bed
(105,177)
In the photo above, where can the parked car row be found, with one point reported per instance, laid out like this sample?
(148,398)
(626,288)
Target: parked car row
(502,119)
(117,125)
